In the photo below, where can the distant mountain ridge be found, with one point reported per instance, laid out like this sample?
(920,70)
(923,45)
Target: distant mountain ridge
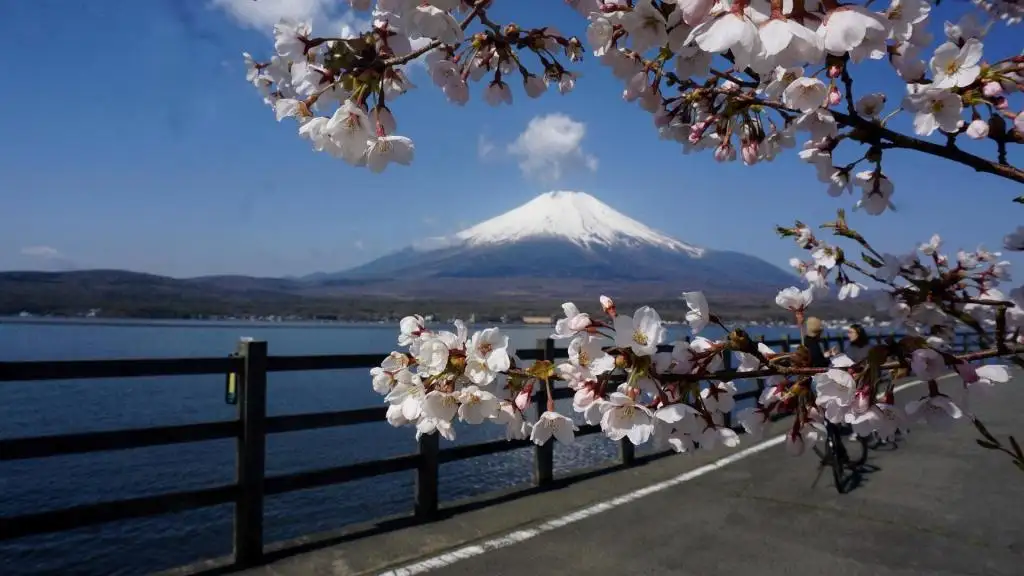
(559,245)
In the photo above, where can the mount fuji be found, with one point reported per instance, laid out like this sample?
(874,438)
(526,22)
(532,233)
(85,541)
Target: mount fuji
(558,244)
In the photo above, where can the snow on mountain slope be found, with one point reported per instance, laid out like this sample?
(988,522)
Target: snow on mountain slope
(574,216)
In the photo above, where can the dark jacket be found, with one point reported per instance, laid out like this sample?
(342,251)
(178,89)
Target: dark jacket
(814,346)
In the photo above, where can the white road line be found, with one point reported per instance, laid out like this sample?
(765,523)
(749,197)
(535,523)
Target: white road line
(518,536)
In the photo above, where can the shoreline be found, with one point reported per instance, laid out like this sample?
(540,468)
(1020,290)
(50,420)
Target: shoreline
(321,324)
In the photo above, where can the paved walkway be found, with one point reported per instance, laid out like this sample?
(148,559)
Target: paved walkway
(937,505)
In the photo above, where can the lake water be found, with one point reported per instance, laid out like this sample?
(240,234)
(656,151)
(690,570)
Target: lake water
(145,545)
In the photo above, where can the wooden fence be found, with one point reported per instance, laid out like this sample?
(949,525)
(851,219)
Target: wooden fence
(248,370)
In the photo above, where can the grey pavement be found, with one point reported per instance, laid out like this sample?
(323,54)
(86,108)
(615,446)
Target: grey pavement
(938,505)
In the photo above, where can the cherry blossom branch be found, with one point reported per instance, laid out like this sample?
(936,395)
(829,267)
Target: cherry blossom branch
(992,443)
(478,10)
(885,138)
(727,375)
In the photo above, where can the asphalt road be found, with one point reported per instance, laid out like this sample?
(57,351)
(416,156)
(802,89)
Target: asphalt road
(937,505)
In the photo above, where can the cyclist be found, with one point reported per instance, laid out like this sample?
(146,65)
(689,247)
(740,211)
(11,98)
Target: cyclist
(860,343)
(812,341)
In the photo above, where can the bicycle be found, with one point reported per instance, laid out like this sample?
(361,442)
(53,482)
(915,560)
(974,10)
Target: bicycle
(838,456)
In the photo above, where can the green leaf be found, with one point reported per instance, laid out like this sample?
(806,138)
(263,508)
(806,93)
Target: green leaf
(871,261)
(1016,448)
(1019,465)
(984,431)
(1019,199)
(987,444)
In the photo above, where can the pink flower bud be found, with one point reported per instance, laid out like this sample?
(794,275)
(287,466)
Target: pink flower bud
(978,129)
(992,89)
(697,132)
(523,398)
(749,152)
(725,152)
(834,97)
(1002,103)
(835,71)
(608,305)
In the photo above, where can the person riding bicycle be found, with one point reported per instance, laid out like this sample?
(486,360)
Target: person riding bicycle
(860,342)
(812,341)
(820,359)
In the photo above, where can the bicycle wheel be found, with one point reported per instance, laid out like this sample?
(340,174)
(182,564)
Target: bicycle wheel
(856,448)
(834,447)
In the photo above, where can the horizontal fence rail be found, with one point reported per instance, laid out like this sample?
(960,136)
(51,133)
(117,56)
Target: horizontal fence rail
(249,367)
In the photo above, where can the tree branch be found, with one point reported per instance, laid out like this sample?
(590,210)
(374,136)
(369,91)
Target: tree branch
(874,134)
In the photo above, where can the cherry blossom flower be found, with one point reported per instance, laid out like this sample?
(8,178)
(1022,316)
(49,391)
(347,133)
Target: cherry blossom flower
(718,397)
(487,354)
(510,417)
(730,31)
(698,314)
(871,105)
(805,94)
(794,299)
(622,418)
(553,425)
(855,30)
(956,66)
(927,364)
(937,411)
(877,192)
(642,332)
(476,405)
(934,109)
(646,26)
(574,322)
(587,355)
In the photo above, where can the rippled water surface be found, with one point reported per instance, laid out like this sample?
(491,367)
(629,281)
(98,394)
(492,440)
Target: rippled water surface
(144,545)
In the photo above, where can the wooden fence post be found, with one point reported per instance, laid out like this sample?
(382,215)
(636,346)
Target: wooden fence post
(251,454)
(426,503)
(544,455)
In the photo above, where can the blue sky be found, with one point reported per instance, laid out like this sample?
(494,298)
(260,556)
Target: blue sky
(134,141)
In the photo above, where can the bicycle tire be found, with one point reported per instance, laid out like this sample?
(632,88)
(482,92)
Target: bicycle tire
(857,455)
(837,463)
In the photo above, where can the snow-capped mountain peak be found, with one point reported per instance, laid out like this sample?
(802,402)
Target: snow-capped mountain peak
(574,216)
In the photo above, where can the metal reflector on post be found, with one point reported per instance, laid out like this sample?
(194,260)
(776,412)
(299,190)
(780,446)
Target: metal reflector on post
(231,380)
(231,386)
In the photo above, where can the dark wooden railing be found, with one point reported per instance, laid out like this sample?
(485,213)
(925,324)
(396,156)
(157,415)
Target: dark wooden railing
(248,370)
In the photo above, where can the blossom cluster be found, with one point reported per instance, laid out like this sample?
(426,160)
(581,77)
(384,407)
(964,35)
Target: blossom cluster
(626,380)
(744,78)
(927,292)
(339,89)
(749,78)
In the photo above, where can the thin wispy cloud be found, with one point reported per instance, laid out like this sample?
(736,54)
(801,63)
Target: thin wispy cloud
(484,147)
(42,252)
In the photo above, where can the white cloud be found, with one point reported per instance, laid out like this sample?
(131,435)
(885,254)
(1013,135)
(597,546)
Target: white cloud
(328,16)
(550,145)
(484,147)
(42,252)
